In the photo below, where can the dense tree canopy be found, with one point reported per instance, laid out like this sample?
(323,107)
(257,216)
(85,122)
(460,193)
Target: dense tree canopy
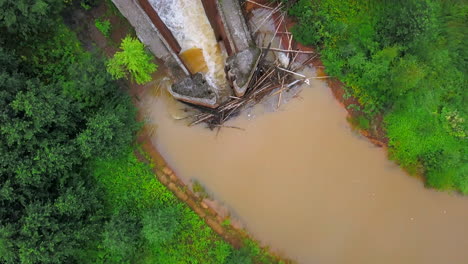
(26,18)
(59,108)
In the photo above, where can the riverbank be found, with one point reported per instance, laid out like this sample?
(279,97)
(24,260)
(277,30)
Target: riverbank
(301,181)
(83,21)
(280,183)
(401,99)
(373,131)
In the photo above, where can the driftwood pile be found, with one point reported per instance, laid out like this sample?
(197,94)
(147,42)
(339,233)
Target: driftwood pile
(269,79)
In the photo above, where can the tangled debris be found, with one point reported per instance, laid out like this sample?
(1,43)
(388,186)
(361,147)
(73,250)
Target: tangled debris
(269,78)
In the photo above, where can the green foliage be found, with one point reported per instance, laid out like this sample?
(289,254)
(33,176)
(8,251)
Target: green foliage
(104,26)
(453,122)
(161,225)
(85,6)
(54,98)
(402,22)
(360,122)
(226,222)
(129,184)
(24,19)
(133,60)
(119,239)
(240,256)
(310,29)
(166,225)
(108,130)
(199,189)
(66,195)
(7,252)
(166,230)
(407,61)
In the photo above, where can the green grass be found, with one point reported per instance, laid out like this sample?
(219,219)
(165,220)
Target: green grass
(164,229)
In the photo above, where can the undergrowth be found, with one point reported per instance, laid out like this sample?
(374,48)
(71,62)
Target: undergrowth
(148,224)
(405,60)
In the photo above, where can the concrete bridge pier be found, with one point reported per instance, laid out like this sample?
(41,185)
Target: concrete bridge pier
(228,24)
(166,49)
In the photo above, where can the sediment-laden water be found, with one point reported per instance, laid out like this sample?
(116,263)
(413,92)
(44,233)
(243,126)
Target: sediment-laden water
(304,183)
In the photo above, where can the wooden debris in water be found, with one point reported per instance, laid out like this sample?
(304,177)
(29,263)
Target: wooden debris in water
(268,79)
(290,51)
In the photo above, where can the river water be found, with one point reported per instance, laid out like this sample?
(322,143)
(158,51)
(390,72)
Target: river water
(298,178)
(301,181)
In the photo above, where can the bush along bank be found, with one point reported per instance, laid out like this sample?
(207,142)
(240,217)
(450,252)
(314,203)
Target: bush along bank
(405,64)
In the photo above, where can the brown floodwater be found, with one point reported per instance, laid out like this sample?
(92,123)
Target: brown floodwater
(301,181)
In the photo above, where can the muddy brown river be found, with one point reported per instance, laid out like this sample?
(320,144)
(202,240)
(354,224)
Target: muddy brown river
(301,181)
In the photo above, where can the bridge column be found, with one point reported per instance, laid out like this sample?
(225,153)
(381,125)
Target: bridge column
(235,24)
(212,11)
(142,21)
(164,32)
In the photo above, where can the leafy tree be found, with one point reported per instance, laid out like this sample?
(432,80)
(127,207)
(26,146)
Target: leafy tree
(310,30)
(25,19)
(240,256)
(51,104)
(108,131)
(7,252)
(453,20)
(121,238)
(403,21)
(133,60)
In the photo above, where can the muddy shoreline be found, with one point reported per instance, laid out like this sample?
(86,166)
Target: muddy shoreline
(82,22)
(215,217)
(166,175)
(376,133)
(375,218)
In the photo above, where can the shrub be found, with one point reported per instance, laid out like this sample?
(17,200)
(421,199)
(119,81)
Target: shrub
(133,60)
(104,26)
(160,225)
